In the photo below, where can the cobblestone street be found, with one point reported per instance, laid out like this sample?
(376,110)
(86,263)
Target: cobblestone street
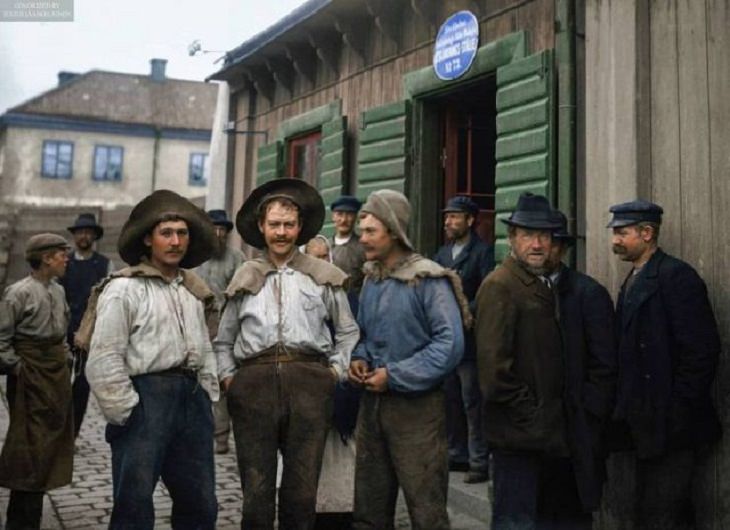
(87,502)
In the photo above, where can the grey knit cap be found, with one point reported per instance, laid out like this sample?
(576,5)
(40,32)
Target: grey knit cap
(393,210)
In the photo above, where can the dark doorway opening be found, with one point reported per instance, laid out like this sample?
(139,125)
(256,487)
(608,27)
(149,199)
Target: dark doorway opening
(468,125)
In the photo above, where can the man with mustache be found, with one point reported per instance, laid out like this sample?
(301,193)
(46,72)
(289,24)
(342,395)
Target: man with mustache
(347,252)
(151,365)
(218,272)
(86,267)
(284,340)
(522,373)
(412,316)
(37,455)
(472,259)
(668,353)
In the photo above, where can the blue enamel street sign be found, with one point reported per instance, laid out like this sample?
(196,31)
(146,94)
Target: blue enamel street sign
(456,45)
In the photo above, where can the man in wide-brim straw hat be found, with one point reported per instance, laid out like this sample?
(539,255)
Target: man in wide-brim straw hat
(151,365)
(38,452)
(278,359)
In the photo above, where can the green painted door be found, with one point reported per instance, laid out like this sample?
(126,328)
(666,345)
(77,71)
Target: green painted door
(526,132)
(384,155)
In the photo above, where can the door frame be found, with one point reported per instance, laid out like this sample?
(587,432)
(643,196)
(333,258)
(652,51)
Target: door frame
(423,183)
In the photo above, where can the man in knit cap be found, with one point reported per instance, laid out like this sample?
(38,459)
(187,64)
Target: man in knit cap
(218,272)
(151,365)
(412,313)
(86,268)
(284,341)
(38,452)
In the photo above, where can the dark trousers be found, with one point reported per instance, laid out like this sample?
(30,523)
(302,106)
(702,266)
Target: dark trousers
(168,435)
(79,391)
(664,491)
(464,417)
(532,491)
(288,408)
(401,441)
(25,509)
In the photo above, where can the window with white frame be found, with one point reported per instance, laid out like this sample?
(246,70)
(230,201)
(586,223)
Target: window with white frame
(196,169)
(57,160)
(108,163)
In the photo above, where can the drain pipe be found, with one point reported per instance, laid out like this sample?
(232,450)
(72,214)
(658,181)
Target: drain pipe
(565,53)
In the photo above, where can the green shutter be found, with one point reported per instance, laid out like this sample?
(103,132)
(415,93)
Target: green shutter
(269,163)
(526,125)
(333,166)
(383,158)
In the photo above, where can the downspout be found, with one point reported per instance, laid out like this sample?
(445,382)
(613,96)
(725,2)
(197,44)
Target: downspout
(565,52)
(155,158)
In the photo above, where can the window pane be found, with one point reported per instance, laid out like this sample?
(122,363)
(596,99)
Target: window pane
(100,163)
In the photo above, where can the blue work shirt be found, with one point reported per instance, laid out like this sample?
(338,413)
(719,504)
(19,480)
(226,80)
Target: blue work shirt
(414,331)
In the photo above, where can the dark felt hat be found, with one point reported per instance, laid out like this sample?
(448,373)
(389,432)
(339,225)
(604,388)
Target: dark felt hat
(87,220)
(461,204)
(40,243)
(148,212)
(220,218)
(533,212)
(632,212)
(561,234)
(346,203)
(311,209)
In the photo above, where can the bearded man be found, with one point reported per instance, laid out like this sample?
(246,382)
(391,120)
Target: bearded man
(521,371)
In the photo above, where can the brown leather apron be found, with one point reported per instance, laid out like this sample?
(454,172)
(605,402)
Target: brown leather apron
(38,451)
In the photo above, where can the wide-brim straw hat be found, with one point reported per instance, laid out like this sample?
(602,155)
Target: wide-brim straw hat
(148,213)
(311,209)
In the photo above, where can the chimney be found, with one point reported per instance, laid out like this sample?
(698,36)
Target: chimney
(157,69)
(65,77)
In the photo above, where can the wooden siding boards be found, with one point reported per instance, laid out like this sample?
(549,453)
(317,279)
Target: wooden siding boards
(269,164)
(333,166)
(525,148)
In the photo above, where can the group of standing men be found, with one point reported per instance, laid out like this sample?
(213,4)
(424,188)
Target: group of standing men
(547,380)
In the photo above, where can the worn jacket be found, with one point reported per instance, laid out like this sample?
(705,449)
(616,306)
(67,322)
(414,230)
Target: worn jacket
(472,265)
(520,362)
(411,324)
(668,352)
(589,348)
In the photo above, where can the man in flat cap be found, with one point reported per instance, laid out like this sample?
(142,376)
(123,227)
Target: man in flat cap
(347,252)
(218,272)
(472,259)
(668,352)
(412,315)
(586,320)
(86,267)
(151,364)
(284,340)
(522,374)
(38,452)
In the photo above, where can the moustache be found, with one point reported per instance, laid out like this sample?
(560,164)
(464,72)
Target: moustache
(618,249)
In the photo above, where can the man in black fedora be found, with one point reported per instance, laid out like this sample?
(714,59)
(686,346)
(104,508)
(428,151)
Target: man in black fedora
(668,349)
(218,272)
(472,259)
(521,371)
(151,365)
(284,340)
(86,267)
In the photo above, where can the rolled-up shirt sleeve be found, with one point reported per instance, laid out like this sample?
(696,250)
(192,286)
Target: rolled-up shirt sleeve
(228,330)
(347,333)
(106,368)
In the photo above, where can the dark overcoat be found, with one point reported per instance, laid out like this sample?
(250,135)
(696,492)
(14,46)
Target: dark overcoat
(473,263)
(520,362)
(589,347)
(668,352)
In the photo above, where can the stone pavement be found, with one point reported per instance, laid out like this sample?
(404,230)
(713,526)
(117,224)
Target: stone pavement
(86,503)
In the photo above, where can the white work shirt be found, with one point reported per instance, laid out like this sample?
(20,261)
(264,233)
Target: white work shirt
(291,309)
(146,325)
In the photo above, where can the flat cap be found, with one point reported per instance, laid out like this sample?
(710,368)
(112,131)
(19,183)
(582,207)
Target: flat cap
(42,242)
(461,204)
(633,212)
(346,203)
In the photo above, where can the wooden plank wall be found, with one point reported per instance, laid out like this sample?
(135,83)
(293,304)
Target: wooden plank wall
(376,80)
(682,163)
